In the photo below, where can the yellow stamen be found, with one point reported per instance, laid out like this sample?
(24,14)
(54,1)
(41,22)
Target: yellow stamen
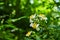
(29,33)
(34,25)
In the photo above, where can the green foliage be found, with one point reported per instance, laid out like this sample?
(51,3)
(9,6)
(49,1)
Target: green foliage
(29,20)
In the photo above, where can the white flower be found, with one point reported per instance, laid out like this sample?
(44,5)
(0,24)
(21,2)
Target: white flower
(34,25)
(42,17)
(32,16)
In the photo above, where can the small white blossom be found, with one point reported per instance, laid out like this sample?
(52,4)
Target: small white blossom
(34,25)
(32,16)
(42,17)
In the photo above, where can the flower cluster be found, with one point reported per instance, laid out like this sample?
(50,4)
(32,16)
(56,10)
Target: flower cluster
(35,19)
(35,22)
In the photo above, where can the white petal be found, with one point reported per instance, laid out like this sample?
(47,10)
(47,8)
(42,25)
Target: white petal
(31,24)
(31,20)
(37,29)
(37,25)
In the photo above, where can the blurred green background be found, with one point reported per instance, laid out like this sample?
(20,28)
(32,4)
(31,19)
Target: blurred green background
(15,18)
